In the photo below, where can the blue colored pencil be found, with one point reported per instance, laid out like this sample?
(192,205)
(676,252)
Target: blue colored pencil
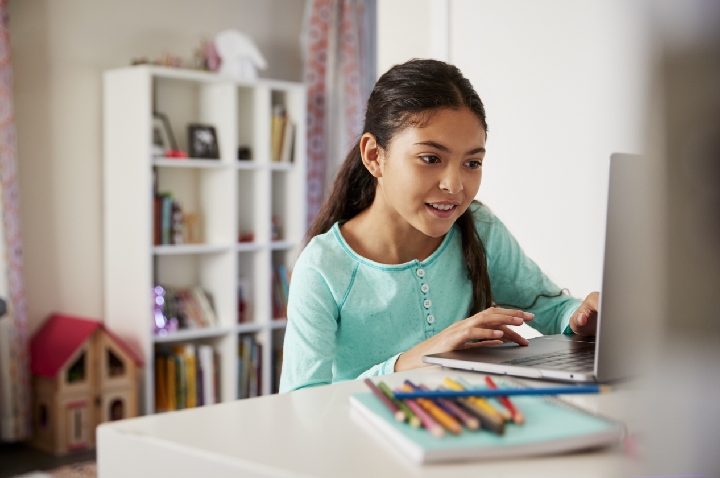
(503,392)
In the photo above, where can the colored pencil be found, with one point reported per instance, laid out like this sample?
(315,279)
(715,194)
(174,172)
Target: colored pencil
(479,402)
(508,392)
(491,422)
(471,422)
(412,419)
(427,421)
(440,415)
(517,415)
(507,416)
(394,409)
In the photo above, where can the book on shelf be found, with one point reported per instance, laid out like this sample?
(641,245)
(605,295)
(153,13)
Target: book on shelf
(282,135)
(188,352)
(181,377)
(206,373)
(551,426)
(171,381)
(185,377)
(249,367)
(171,224)
(288,142)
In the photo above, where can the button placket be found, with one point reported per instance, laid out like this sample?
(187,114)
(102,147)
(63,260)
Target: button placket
(427,302)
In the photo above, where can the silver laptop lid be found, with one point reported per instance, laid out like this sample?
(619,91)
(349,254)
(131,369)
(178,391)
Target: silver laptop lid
(627,269)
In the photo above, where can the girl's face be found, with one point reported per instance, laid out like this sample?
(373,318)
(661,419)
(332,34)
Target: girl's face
(430,174)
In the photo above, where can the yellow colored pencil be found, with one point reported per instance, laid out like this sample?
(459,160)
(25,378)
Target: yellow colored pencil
(479,402)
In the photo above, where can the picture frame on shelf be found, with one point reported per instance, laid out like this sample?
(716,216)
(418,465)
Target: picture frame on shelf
(202,141)
(162,136)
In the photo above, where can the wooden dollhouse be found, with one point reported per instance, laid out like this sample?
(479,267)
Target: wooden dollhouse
(83,375)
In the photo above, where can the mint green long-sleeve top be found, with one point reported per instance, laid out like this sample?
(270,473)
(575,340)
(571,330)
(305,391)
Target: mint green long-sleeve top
(350,317)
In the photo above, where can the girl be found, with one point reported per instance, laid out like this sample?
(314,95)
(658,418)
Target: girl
(402,262)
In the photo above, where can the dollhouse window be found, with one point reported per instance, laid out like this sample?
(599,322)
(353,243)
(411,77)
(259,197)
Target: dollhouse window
(115,366)
(76,373)
(117,410)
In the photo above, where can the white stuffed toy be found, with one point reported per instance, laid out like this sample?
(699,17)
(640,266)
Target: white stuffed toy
(239,54)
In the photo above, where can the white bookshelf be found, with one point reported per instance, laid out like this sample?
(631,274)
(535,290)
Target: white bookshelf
(230,196)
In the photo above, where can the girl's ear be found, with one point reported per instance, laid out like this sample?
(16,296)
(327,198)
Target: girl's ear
(371,153)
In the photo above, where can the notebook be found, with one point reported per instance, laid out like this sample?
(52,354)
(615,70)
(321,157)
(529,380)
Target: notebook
(551,427)
(612,354)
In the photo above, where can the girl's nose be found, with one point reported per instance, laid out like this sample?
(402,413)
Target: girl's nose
(451,182)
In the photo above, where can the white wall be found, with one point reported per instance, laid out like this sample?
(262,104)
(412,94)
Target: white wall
(59,50)
(564,85)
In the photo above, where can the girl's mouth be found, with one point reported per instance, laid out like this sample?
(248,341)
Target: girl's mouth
(441,210)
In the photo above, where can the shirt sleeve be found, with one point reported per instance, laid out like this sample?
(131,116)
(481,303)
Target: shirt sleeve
(384,368)
(309,346)
(518,283)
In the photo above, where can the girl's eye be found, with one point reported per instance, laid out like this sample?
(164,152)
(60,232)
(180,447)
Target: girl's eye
(474,164)
(430,159)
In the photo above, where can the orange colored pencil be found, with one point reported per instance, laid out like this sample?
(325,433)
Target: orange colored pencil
(517,415)
(471,422)
(448,422)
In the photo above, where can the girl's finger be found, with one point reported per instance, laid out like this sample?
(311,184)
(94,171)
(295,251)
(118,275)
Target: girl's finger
(482,343)
(476,334)
(514,336)
(497,320)
(509,312)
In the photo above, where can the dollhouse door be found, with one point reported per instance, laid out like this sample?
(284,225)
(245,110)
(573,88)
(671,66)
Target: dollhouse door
(115,405)
(77,425)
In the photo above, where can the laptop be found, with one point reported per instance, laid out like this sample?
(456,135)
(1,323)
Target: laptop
(611,354)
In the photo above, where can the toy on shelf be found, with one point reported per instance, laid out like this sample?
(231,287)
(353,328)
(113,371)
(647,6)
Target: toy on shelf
(83,375)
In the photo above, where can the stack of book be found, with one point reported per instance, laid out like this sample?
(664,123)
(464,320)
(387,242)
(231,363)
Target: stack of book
(186,376)
(464,422)
(192,307)
(249,367)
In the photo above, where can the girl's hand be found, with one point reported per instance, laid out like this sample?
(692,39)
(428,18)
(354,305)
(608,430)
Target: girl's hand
(584,320)
(488,327)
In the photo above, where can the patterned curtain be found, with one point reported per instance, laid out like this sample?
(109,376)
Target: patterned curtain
(340,58)
(15,365)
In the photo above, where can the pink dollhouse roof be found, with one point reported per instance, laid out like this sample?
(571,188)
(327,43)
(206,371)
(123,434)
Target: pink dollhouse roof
(58,339)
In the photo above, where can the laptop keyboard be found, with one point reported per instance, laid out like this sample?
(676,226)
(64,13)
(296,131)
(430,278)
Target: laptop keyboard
(581,360)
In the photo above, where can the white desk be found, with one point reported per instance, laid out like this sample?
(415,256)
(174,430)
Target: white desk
(311,433)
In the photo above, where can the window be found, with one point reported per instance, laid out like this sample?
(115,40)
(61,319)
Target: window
(115,366)
(76,373)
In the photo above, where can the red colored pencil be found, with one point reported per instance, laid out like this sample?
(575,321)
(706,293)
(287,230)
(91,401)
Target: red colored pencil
(517,415)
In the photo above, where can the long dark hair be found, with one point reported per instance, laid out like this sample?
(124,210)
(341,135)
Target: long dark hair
(408,95)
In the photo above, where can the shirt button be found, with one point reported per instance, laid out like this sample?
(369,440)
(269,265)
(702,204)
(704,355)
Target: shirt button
(425,288)
(420,272)
(427,303)
(430,319)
